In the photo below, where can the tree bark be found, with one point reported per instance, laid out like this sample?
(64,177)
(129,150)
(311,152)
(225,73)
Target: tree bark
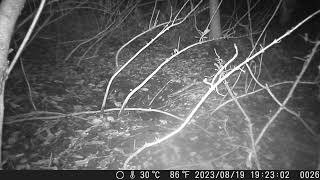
(9,12)
(215,26)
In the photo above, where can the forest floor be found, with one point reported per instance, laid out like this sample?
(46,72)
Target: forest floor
(65,130)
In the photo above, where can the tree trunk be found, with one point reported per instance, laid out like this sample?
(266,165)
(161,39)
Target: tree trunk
(9,12)
(215,26)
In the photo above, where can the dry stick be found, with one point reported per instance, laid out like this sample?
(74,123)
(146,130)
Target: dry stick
(220,71)
(250,124)
(182,89)
(153,11)
(84,42)
(256,91)
(282,105)
(28,84)
(26,38)
(254,47)
(32,114)
(291,112)
(158,93)
(80,8)
(260,64)
(250,24)
(90,47)
(233,86)
(30,16)
(134,38)
(213,86)
(41,26)
(22,117)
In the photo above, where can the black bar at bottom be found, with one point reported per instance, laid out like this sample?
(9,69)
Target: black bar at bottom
(166,174)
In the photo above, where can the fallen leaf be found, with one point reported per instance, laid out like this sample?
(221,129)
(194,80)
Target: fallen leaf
(144,89)
(111,119)
(95,121)
(193,153)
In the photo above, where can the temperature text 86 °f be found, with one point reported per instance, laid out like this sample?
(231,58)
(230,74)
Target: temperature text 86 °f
(149,174)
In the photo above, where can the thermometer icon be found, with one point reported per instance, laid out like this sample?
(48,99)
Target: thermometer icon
(132,176)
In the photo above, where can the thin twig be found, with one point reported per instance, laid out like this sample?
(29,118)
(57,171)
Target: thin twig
(256,91)
(289,95)
(291,112)
(28,84)
(159,92)
(34,116)
(250,125)
(254,47)
(26,38)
